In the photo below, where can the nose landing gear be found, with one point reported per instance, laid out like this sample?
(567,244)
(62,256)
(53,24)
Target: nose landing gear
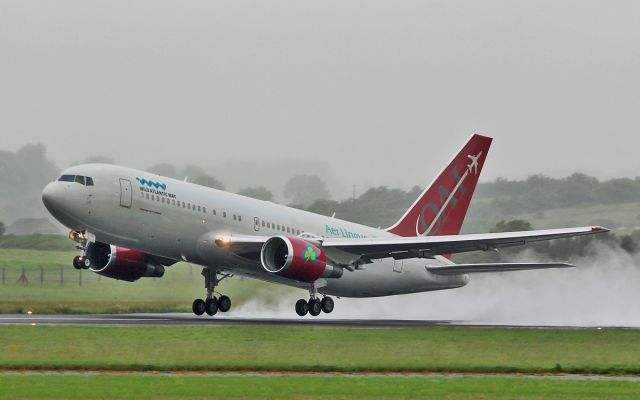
(211,305)
(81,261)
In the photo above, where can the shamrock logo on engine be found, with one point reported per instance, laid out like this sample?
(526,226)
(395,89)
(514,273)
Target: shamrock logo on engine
(310,254)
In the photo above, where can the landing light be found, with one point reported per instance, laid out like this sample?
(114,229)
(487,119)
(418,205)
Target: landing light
(223,241)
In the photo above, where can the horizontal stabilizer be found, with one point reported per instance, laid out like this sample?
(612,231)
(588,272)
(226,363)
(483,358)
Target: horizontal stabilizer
(457,269)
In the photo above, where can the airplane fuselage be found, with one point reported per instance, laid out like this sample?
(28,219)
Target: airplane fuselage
(178,220)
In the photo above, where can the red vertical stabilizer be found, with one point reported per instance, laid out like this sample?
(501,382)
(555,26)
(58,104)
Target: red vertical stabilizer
(441,208)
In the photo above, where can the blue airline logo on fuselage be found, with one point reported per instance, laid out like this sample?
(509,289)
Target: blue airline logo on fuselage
(152,184)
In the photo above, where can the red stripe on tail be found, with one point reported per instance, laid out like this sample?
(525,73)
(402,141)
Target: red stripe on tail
(441,208)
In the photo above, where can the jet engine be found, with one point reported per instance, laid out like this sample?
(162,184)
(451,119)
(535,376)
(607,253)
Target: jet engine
(298,259)
(121,263)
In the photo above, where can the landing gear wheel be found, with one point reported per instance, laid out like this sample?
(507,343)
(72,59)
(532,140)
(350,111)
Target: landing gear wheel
(327,304)
(198,307)
(315,308)
(86,263)
(224,303)
(77,262)
(211,306)
(302,307)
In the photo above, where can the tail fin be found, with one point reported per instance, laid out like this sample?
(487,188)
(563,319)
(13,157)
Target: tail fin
(441,208)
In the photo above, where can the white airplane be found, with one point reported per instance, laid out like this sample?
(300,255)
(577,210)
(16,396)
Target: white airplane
(131,224)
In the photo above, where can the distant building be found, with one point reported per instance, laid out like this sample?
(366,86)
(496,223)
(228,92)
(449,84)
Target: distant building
(30,226)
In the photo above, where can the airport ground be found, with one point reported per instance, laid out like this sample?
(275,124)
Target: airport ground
(290,348)
(71,386)
(262,361)
(50,285)
(277,359)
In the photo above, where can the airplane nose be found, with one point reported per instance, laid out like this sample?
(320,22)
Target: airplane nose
(52,197)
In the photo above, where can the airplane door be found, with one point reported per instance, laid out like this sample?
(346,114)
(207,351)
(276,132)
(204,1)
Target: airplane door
(256,224)
(125,193)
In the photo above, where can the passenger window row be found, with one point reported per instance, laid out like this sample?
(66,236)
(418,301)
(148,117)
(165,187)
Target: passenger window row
(83,180)
(202,209)
(185,205)
(278,227)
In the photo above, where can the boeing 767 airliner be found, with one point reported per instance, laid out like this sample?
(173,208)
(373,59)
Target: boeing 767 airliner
(130,224)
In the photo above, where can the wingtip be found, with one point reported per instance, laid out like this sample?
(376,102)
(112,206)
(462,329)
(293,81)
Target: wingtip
(599,229)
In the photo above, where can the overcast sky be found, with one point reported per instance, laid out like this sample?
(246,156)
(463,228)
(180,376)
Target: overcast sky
(383,92)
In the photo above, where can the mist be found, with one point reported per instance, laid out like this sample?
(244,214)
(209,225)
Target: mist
(379,92)
(363,93)
(601,291)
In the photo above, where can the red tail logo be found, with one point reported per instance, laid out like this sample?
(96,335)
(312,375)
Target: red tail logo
(441,208)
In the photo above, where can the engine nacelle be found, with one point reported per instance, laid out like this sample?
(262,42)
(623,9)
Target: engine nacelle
(121,263)
(297,259)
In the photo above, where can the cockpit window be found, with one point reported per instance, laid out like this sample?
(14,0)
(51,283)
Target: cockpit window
(67,178)
(83,180)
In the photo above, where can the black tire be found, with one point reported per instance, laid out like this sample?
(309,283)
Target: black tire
(302,307)
(77,262)
(198,307)
(211,306)
(224,303)
(315,308)
(86,263)
(327,305)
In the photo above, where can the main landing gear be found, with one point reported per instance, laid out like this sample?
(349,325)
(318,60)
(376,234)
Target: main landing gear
(211,305)
(314,306)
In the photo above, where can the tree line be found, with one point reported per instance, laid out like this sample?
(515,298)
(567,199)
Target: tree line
(25,172)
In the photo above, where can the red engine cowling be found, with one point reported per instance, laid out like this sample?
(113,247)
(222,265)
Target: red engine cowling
(295,258)
(121,263)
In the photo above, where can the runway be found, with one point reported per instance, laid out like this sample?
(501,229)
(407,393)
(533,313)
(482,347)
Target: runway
(190,319)
(170,319)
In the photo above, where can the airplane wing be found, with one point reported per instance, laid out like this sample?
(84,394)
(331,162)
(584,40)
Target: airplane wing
(430,246)
(350,250)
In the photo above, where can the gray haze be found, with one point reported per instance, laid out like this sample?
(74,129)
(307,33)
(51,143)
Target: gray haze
(374,92)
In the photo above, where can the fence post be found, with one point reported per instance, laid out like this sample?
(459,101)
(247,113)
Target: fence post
(80,277)
(23,278)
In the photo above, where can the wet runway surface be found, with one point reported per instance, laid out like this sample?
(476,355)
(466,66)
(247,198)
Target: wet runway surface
(190,319)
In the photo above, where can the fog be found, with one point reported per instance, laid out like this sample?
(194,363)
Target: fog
(363,92)
(376,92)
(601,291)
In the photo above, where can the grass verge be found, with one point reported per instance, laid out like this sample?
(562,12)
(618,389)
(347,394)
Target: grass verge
(200,387)
(257,348)
(52,286)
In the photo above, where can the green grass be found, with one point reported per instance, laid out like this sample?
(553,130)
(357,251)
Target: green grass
(435,349)
(36,242)
(307,387)
(54,286)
